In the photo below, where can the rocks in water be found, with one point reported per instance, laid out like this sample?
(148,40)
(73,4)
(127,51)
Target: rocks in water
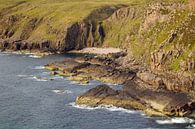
(98,69)
(157,103)
(104,95)
(155,95)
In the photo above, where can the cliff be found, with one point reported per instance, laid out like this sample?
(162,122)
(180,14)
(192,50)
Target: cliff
(158,36)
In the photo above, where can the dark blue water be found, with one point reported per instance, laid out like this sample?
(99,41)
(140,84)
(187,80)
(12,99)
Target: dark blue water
(29,101)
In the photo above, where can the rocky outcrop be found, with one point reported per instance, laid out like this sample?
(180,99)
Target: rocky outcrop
(104,95)
(155,95)
(105,70)
(189,63)
(134,97)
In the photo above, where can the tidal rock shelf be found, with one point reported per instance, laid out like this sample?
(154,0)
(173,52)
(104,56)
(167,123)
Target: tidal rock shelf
(151,97)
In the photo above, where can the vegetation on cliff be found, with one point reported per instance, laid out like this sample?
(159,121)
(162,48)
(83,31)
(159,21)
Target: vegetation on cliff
(158,36)
(158,33)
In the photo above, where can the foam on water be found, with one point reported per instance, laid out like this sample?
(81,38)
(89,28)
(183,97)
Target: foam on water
(74,82)
(106,107)
(39,79)
(176,121)
(34,56)
(151,128)
(20,75)
(191,126)
(62,91)
(58,77)
(4,53)
(39,67)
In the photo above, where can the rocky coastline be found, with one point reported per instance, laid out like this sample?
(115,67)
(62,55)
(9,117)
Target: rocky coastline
(156,68)
(142,90)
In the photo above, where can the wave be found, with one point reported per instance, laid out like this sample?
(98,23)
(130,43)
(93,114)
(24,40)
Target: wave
(39,67)
(3,54)
(105,107)
(24,76)
(74,82)
(58,77)
(20,75)
(150,128)
(34,56)
(62,91)
(39,79)
(176,121)
(191,126)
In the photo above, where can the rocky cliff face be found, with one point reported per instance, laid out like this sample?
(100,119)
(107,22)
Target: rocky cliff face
(160,43)
(88,32)
(158,36)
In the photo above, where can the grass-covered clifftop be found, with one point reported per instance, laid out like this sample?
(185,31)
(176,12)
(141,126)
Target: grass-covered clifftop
(52,16)
(160,32)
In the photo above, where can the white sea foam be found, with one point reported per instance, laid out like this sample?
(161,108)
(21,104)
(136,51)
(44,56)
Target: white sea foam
(191,126)
(24,76)
(106,107)
(62,91)
(4,53)
(39,67)
(151,128)
(34,56)
(58,77)
(39,79)
(176,121)
(20,75)
(74,82)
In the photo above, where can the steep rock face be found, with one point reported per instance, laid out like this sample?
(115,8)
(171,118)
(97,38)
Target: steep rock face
(88,32)
(81,35)
(161,41)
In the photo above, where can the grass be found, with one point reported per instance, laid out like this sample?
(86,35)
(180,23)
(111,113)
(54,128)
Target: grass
(56,15)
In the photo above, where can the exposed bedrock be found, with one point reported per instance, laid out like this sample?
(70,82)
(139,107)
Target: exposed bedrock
(99,69)
(142,91)
(157,103)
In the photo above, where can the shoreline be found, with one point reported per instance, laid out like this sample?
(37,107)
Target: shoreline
(138,92)
(35,53)
(154,99)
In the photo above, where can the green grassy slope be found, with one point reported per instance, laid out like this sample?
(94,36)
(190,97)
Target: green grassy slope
(55,14)
(38,20)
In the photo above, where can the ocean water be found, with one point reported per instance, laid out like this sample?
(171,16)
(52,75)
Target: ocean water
(32,99)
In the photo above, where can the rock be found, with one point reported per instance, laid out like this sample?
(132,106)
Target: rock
(95,70)
(95,95)
(45,45)
(151,79)
(134,97)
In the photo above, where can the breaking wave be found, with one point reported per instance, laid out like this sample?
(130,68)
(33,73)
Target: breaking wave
(39,79)
(34,56)
(176,121)
(39,67)
(62,91)
(106,107)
